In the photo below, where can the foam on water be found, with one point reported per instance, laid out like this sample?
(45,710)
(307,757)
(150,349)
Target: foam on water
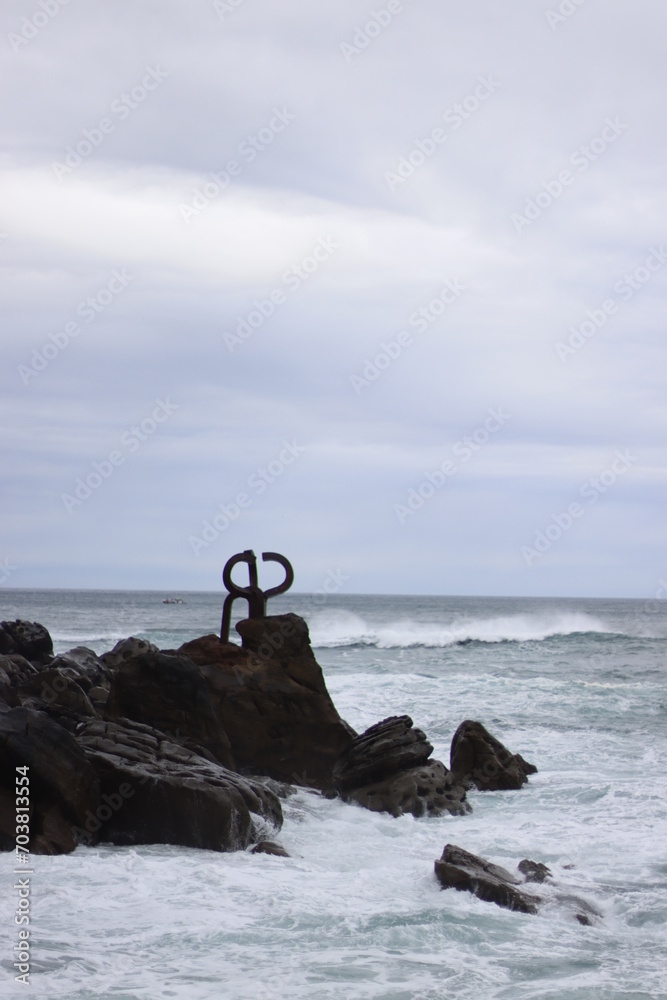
(343,628)
(356,912)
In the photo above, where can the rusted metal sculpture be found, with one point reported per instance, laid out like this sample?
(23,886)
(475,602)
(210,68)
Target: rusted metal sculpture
(253,594)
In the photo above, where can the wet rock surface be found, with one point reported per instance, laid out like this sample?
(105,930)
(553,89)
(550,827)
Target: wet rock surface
(458,869)
(154,791)
(28,639)
(387,769)
(478,759)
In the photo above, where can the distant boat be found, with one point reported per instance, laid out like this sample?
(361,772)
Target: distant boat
(172,600)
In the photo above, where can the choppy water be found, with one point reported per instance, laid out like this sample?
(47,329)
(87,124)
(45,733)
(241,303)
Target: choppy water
(577,686)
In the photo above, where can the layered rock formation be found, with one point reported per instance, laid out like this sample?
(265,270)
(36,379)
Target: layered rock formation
(387,769)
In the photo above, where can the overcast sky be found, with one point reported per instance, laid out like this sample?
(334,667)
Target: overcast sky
(380,287)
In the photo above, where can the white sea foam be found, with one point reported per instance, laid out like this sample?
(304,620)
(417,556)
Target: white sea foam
(343,628)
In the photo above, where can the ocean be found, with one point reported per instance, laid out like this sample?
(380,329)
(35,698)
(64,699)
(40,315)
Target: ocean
(576,686)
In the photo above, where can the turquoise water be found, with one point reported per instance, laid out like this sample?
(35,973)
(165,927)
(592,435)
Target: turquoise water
(577,686)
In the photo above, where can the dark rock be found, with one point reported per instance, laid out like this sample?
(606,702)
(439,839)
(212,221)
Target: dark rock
(534,871)
(154,791)
(14,672)
(479,759)
(272,700)
(86,665)
(171,694)
(387,769)
(386,748)
(126,649)
(29,639)
(269,847)
(461,870)
(63,786)
(58,691)
(423,791)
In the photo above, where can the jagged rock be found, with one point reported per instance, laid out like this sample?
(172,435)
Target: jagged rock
(170,693)
(63,786)
(269,847)
(461,870)
(272,700)
(479,759)
(423,791)
(156,792)
(58,691)
(380,752)
(533,871)
(29,639)
(126,649)
(387,769)
(86,665)
(15,670)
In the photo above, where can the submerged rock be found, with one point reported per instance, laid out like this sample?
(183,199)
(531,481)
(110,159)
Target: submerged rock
(271,698)
(478,759)
(458,869)
(534,871)
(387,769)
(270,847)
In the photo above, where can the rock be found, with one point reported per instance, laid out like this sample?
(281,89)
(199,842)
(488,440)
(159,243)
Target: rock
(386,748)
(423,791)
(387,769)
(270,847)
(63,786)
(169,693)
(29,639)
(461,870)
(534,871)
(156,792)
(14,672)
(126,649)
(272,700)
(86,665)
(58,691)
(479,759)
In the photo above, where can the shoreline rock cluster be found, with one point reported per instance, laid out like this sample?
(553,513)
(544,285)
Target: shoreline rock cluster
(196,746)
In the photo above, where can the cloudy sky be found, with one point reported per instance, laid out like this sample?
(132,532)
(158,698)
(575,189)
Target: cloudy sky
(379,287)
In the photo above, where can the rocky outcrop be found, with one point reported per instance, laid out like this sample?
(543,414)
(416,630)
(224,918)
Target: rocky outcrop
(387,769)
(170,693)
(63,785)
(478,759)
(461,870)
(154,791)
(271,698)
(458,869)
(28,639)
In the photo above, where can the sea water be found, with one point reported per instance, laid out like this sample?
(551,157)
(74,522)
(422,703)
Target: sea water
(576,686)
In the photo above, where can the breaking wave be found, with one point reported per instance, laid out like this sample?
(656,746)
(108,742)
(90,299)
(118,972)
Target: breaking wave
(342,628)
